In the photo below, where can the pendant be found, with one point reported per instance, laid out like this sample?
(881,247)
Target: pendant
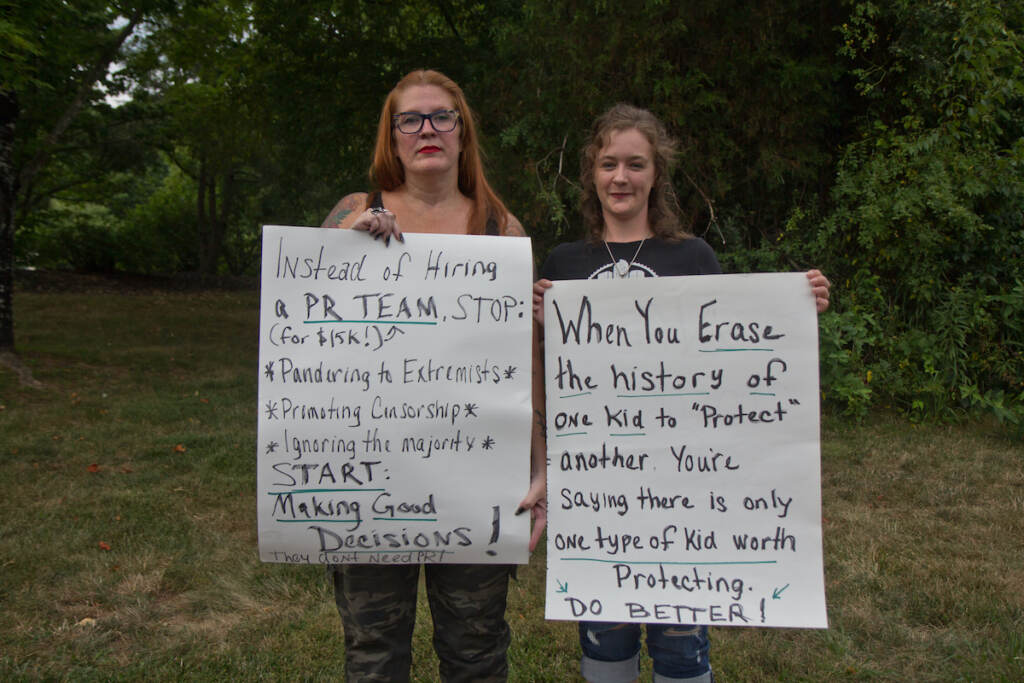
(622,268)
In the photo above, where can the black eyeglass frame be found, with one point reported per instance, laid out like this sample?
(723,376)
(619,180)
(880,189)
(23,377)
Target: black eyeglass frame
(424,118)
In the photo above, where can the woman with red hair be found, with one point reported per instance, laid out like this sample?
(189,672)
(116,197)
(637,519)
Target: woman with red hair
(427,168)
(429,178)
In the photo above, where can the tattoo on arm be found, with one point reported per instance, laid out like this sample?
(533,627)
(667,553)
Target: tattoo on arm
(348,205)
(336,217)
(514,227)
(542,422)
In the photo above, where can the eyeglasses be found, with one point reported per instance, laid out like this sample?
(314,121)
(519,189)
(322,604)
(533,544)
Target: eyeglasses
(411,122)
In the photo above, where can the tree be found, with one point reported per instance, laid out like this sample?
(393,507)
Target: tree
(270,106)
(927,231)
(57,55)
(752,92)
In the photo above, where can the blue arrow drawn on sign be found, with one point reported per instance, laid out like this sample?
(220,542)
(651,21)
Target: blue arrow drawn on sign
(562,587)
(778,592)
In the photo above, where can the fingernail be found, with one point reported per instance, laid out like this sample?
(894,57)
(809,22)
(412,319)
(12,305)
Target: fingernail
(401,238)
(520,511)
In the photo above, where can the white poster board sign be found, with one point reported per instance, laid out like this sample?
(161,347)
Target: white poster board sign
(683,451)
(394,398)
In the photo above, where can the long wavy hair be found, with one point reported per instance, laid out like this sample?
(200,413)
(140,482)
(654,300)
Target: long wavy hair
(387,172)
(662,205)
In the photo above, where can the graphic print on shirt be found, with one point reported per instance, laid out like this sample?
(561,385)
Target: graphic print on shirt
(607,271)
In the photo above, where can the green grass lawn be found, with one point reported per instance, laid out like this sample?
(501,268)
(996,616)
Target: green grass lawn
(128,525)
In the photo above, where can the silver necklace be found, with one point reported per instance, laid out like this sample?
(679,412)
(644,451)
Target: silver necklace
(621,267)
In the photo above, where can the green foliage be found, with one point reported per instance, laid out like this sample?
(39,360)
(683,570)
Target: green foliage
(146,225)
(753,95)
(880,142)
(927,219)
(843,337)
(58,48)
(80,237)
(161,228)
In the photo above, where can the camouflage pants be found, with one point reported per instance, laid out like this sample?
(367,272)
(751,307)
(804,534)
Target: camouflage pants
(377,604)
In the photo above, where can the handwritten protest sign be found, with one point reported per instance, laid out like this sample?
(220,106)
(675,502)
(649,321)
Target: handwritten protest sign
(394,398)
(683,451)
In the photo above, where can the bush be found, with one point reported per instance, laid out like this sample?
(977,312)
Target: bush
(925,241)
(82,237)
(162,230)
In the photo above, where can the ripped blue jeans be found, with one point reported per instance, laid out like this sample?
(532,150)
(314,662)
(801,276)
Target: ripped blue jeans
(611,652)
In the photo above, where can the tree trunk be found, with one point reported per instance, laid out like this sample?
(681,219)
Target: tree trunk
(212,224)
(8,187)
(207,219)
(201,219)
(227,207)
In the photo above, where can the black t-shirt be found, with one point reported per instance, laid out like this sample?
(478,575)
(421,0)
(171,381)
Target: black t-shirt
(584,260)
